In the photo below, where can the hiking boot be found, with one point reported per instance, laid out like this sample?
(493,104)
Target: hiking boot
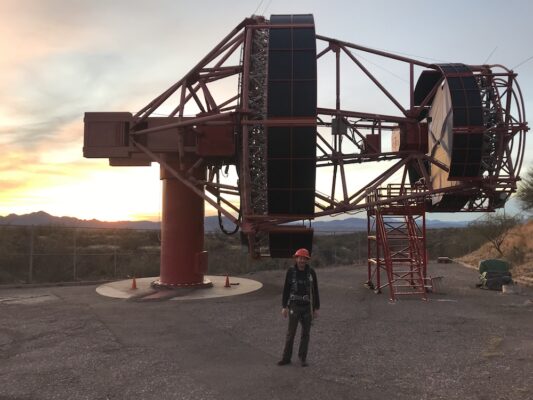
(284,362)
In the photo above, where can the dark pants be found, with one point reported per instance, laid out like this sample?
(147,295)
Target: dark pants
(302,314)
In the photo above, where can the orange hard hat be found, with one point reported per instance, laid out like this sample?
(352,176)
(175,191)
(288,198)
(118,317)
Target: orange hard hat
(302,253)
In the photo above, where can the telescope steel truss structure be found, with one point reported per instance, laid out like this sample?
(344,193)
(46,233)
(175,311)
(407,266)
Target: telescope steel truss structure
(233,132)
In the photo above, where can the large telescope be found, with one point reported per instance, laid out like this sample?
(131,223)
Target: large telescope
(457,141)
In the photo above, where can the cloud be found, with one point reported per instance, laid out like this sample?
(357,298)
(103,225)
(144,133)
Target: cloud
(61,58)
(19,170)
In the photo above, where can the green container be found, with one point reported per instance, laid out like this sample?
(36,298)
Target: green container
(493,265)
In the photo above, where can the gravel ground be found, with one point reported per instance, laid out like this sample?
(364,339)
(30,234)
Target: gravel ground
(71,343)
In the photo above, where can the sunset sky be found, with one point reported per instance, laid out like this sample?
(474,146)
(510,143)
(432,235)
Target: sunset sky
(61,58)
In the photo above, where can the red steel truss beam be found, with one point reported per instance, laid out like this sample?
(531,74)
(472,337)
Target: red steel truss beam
(235,111)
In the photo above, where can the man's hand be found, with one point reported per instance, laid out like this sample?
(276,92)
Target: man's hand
(285,312)
(315,313)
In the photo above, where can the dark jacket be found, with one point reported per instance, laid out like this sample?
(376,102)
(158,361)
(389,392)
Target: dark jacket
(298,283)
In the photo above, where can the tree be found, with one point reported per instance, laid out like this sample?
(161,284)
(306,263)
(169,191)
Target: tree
(525,190)
(495,228)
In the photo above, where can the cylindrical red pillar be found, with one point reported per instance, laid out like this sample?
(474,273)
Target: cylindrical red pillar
(183,261)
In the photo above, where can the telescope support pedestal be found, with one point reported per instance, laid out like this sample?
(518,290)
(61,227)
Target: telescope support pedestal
(183,261)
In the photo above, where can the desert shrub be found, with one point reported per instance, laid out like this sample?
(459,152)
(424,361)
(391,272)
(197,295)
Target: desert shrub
(13,268)
(65,254)
(516,256)
(52,268)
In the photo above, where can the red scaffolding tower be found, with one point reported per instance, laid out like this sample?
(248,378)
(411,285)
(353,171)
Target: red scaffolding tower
(396,245)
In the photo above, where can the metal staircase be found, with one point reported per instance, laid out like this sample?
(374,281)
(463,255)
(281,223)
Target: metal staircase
(396,247)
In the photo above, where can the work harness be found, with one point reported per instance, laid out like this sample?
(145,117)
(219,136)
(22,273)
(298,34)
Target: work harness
(307,298)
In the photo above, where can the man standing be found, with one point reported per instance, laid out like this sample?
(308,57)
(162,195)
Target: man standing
(300,302)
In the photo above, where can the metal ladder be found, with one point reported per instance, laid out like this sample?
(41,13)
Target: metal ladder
(399,251)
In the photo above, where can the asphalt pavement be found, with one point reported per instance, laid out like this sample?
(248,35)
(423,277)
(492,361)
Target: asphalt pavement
(73,343)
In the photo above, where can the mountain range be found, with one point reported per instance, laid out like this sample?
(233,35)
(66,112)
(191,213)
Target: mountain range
(210,224)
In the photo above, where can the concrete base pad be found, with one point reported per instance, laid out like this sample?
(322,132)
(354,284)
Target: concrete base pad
(145,291)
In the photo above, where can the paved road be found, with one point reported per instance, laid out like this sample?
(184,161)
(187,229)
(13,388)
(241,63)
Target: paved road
(71,343)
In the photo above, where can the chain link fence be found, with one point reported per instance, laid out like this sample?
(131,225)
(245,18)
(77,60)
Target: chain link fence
(43,254)
(35,254)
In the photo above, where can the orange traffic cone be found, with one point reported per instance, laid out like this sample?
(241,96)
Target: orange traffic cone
(227,282)
(134,283)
